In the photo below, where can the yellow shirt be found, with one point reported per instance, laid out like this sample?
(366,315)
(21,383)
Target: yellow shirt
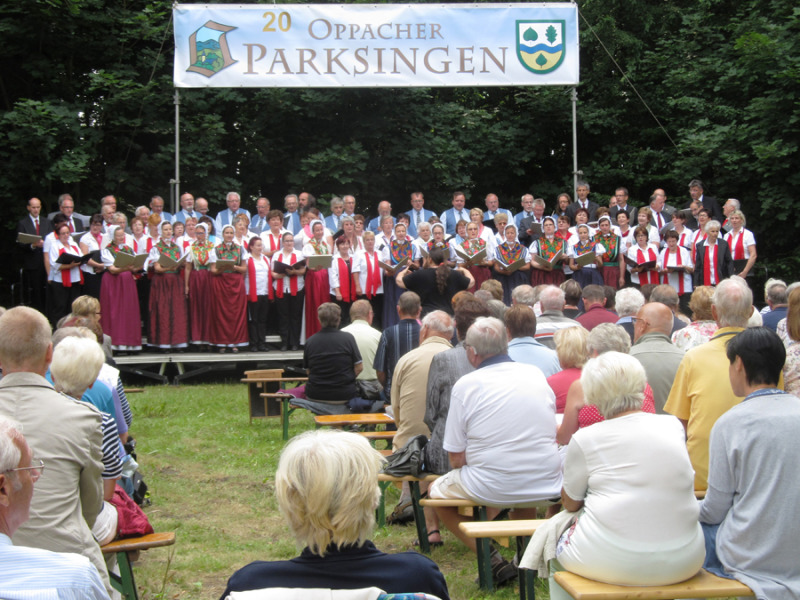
(701,394)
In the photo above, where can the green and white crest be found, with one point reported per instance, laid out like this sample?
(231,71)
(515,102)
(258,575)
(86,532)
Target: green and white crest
(540,45)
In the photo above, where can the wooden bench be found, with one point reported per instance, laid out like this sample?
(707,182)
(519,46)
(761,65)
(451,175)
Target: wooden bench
(522,530)
(353,419)
(702,585)
(127,551)
(374,436)
(384,481)
(266,397)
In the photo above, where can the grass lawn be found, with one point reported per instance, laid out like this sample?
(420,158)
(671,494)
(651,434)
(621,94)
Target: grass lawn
(210,474)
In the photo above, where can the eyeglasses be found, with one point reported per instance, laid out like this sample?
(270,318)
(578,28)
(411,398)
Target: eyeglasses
(39,467)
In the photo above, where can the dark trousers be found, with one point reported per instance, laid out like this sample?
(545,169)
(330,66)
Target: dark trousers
(345,306)
(92,283)
(377,310)
(61,299)
(143,291)
(257,313)
(34,286)
(290,314)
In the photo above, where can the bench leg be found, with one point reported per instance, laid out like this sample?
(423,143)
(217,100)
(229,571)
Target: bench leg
(485,563)
(527,578)
(380,512)
(285,412)
(419,517)
(125,583)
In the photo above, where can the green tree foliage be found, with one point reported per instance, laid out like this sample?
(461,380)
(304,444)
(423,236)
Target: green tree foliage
(87,106)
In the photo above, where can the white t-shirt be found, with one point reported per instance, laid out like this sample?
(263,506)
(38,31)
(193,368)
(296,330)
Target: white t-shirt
(637,482)
(503,417)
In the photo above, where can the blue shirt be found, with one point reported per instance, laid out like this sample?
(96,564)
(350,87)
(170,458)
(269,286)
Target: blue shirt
(395,342)
(528,350)
(36,574)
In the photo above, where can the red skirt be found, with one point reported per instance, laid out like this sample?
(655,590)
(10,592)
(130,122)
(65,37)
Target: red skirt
(611,276)
(228,317)
(318,291)
(480,274)
(121,319)
(168,320)
(200,295)
(540,277)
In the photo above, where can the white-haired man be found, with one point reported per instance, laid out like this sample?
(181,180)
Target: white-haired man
(225,217)
(701,393)
(494,464)
(33,572)
(552,301)
(66,435)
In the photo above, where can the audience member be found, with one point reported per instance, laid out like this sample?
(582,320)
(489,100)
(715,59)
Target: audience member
(333,362)
(397,340)
(654,349)
(789,332)
(521,326)
(754,474)
(629,301)
(367,339)
(666,295)
(594,302)
(571,352)
(777,300)
(703,326)
(638,520)
(66,434)
(327,490)
(552,301)
(494,464)
(572,297)
(699,396)
(32,572)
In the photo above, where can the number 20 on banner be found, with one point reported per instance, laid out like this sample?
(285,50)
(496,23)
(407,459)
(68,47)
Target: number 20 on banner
(284,21)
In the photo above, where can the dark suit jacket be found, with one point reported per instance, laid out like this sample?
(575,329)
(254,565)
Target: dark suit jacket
(573,208)
(631,210)
(522,234)
(710,203)
(32,259)
(724,262)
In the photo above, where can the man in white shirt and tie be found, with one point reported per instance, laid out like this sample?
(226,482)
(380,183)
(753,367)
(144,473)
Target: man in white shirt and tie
(260,223)
(457,213)
(234,202)
(334,220)
(662,213)
(582,190)
(187,209)
(527,209)
(349,206)
(621,197)
(418,213)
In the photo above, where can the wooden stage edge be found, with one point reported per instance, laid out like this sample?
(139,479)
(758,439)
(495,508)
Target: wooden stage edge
(160,366)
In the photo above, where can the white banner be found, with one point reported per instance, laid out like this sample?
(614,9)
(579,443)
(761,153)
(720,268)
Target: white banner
(378,45)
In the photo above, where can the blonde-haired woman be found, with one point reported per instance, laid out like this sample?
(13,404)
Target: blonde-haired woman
(327,490)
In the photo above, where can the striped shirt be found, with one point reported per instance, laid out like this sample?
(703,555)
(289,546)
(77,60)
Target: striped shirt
(395,342)
(36,574)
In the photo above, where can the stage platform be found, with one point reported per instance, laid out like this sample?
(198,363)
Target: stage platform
(175,367)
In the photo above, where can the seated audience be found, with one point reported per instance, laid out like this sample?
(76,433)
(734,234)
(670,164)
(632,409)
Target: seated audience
(494,464)
(703,325)
(327,489)
(367,339)
(333,362)
(753,476)
(629,300)
(571,352)
(638,520)
(594,306)
(789,332)
(523,347)
(31,572)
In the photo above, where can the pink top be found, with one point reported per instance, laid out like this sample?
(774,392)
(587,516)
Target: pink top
(589,414)
(560,383)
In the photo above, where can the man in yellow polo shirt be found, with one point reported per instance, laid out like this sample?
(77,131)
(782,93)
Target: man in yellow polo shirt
(702,391)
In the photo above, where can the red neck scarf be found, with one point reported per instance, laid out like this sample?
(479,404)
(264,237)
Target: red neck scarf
(650,276)
(346,287)
(274,244)
(738,247)
(66,278)
(373,275)
(292,280)
(700,238)
(251,278)
(678,263)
